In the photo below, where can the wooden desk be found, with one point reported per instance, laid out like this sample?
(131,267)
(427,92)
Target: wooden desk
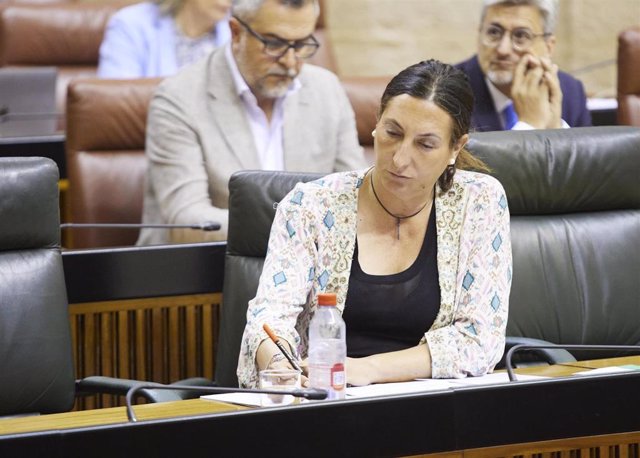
(117,415)
(113,415)
(606,362)
(564,416)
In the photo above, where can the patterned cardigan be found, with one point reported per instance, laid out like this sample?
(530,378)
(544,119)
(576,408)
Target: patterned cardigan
(311,248)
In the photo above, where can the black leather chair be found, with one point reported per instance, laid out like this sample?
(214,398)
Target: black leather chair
(36,362)
(574,197)
(252,195)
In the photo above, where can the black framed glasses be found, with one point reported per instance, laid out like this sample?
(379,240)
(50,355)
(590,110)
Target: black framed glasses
(521,38)
(277,47)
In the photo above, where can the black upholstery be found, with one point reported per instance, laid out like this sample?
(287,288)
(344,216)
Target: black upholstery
(36,362)
(252,195)
(574,197)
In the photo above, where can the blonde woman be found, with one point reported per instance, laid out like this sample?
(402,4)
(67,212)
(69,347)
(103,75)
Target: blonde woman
(158,38)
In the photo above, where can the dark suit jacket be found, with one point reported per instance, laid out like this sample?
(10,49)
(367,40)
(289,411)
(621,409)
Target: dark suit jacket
(485,117)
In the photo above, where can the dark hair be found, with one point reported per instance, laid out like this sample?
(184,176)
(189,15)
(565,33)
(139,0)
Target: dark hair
(449,89)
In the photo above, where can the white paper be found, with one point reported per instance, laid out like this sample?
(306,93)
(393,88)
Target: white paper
(387,389)
(493,379)
(607,370)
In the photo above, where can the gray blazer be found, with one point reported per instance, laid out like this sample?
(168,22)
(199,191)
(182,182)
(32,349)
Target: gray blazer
(198,135)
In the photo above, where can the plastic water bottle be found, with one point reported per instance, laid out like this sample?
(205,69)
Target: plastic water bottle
(328,348)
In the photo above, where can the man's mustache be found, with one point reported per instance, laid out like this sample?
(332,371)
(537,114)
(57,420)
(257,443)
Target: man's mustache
(291,73)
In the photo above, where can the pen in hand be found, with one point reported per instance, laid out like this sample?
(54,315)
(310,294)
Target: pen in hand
(282,348)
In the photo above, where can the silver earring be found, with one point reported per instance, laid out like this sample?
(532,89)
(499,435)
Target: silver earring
(373,133)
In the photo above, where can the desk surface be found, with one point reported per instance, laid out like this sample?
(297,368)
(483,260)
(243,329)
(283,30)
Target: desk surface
(113,415)
(605,362)
(455,419)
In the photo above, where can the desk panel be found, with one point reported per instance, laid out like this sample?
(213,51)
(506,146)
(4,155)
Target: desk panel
(436,422)
(545,410)
(138,272)
(51,146)
(144,313)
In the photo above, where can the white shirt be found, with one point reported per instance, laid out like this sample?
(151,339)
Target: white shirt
(501,101)
(266,136)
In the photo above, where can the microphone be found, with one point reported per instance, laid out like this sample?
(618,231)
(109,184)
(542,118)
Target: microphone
(516,348)
(204,226)
(314,394)
(6,114)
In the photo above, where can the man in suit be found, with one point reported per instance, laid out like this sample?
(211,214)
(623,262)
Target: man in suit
(252,104)
(515,83)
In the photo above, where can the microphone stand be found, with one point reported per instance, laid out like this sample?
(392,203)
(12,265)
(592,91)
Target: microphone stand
(206,226)
(516,348)
(307,393)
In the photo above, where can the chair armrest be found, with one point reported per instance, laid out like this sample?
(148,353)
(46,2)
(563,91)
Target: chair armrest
(535,356)
(109,385)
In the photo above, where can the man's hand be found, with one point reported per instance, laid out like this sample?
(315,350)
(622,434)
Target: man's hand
(536,93)
(555,93)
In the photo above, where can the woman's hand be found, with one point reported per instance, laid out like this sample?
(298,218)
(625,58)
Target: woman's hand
(269,356)
(395,366)
(359,372)
(304,378)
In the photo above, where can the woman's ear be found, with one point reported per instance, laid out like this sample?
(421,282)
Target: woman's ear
(461,143)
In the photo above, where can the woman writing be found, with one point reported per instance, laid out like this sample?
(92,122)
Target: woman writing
(152,39)
(416,248)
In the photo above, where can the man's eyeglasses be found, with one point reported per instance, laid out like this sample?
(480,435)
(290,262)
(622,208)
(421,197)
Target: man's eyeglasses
(277,47)
(521,38)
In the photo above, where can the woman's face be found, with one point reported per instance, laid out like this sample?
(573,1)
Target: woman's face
(413,146)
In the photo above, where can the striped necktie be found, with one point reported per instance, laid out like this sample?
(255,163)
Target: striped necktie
(510,117)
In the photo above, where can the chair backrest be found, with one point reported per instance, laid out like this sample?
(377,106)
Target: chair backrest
(35,338)
(250,193)
(575,205)
(574,199)
(106,165)
(65,35)
(628,81)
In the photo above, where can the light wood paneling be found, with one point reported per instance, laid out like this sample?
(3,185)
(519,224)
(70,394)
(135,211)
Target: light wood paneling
(626,445)
(161,339)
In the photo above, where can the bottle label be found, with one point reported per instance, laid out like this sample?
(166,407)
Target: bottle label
(337,377)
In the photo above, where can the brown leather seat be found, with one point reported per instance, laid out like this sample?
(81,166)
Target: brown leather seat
(65,35)
(628,80)
(106,165)
(364,94)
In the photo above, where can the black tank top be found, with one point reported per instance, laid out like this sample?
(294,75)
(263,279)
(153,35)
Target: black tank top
(386,313)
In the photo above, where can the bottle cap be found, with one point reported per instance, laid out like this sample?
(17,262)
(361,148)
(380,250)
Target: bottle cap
(327,299)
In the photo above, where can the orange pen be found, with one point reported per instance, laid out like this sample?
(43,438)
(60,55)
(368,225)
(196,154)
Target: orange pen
(282,348)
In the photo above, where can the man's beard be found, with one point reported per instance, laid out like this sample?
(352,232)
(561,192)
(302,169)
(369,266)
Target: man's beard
(500,77)
(273,91)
